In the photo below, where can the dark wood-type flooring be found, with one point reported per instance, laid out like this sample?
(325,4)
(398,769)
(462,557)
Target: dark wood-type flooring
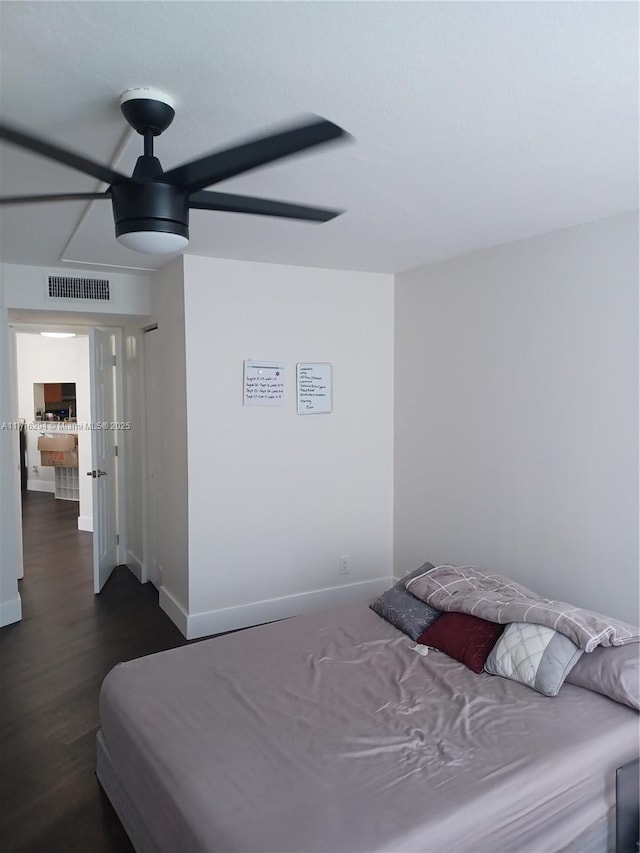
(52,664)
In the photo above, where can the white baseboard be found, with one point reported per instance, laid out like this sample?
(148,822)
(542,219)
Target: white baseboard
(10,611)
(231,618)
(134,565)
(85,522)
(41,486)
(174,610)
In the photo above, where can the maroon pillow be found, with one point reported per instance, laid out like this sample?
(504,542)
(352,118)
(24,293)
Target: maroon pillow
(468,639)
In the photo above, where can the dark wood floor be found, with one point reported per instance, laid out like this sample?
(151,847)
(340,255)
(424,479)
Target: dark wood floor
(52,664)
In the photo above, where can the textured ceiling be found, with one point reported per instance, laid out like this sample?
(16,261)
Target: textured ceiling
(474,123)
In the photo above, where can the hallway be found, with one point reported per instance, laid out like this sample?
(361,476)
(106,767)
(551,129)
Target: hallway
(52,664)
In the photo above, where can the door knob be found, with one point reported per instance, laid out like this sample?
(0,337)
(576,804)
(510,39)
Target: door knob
(97,473)
(91,473)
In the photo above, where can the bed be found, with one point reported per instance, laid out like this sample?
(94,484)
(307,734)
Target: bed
(330,732)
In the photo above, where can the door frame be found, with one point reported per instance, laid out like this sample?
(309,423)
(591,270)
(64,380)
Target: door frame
(146,575)
(121,493)
(156,581)
(13,391)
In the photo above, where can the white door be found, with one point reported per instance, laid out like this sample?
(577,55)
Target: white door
(154,457)
(103,416)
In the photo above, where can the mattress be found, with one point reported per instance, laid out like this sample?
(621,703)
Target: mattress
(328,732)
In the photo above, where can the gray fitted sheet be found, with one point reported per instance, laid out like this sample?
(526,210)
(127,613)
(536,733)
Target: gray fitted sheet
(328,733)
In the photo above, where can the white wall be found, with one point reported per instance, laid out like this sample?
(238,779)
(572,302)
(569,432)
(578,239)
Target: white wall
(24,288)
(170,477)
(275,498)
(55,360)
(516,428)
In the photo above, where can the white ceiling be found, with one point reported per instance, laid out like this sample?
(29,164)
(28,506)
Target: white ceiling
(475,123)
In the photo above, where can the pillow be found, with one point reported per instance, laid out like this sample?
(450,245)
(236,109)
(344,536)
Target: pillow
(425,567)
(534,655)
(403,610)
(614,672)
(466,638)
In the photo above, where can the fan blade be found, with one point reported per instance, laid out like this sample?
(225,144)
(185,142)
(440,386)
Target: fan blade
(221,165)
(27,199)
(60,155)
(259,206)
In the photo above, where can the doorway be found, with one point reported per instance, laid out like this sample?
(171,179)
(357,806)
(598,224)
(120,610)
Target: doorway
(61,446)
(53,398)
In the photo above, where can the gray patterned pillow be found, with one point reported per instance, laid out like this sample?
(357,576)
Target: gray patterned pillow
(403,610)
(534,655)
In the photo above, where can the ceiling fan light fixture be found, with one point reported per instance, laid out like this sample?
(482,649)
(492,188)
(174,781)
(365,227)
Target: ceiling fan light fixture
(153,242)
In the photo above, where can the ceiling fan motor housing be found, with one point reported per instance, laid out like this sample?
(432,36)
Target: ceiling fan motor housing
(150,206)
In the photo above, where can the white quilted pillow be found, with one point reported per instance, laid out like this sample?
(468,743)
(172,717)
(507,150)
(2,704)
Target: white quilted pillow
(533,655)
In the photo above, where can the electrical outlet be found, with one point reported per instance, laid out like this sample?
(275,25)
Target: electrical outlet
(343,565)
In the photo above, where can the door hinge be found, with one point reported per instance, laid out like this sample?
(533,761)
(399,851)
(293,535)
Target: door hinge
(114,362)
(117,538)
(115,449)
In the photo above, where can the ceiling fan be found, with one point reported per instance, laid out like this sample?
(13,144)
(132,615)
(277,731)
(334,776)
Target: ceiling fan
(151,208)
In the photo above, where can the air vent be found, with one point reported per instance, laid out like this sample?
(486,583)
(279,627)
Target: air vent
(71,287)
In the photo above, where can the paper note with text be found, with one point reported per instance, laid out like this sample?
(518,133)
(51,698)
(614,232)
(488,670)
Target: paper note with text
(263,383)
(314,382)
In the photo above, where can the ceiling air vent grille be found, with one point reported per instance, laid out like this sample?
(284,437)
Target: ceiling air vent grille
(71,287)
